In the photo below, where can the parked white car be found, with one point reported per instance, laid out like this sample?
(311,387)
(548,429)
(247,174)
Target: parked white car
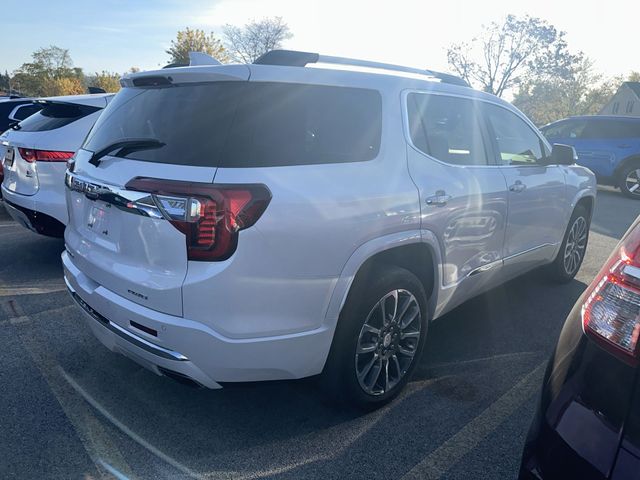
(36,152)
(274,221)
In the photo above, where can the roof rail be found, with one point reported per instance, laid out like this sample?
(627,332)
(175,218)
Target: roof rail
(293,58)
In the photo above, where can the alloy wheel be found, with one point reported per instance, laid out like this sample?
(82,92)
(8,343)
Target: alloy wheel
(575,246)
(632,182)
(388,342)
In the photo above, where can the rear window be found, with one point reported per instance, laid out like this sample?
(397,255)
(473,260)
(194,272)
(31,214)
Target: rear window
(55,115)
(244,124)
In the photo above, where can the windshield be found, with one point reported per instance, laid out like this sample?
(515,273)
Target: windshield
(245,124)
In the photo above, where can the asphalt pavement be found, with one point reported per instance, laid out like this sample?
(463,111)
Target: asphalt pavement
(70,409)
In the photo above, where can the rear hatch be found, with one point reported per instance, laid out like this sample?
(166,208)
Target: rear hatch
(46,139)
(168,126)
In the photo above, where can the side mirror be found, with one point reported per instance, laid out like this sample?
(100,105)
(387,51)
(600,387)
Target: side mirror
(563,155)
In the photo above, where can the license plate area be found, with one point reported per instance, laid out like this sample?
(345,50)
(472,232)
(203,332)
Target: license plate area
(98,219)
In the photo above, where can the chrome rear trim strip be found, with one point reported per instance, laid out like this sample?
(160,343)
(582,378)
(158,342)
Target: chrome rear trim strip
(125,334)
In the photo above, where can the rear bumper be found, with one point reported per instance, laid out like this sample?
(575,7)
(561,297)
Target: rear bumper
(23,210)
(190,348)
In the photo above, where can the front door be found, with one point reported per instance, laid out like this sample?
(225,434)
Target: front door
(537,198)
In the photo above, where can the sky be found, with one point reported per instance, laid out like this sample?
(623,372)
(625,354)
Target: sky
(116,35)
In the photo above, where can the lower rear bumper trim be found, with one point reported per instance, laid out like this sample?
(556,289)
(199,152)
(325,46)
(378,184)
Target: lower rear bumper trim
(123,333)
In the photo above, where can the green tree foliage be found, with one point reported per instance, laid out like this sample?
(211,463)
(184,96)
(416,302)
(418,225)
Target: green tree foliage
(512,52)
(582,92)
(247,43)
(196,40)
(108,81)
(51,72)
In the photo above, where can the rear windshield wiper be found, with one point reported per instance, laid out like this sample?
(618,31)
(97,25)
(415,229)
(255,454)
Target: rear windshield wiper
(125,147)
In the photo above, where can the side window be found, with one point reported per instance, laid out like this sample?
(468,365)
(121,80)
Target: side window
(565,129)
(518,143)
(607,129)
(447,128)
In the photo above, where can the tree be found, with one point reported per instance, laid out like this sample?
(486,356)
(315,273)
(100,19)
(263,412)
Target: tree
(64,86)
(5,82)
(512,52)
(51,72)
(195,41)
(247,43)
(633,77)
(109,82)
(582,92)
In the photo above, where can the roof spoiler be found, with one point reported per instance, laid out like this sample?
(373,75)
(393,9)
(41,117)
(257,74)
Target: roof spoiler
(294,58)
(195,59)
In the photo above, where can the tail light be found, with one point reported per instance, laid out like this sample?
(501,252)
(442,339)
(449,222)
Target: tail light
(611,312)
(30,155)
(210,216)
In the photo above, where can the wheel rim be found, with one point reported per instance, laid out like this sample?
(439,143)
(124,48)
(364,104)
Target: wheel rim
(388,342)
(632,181)
(576,245)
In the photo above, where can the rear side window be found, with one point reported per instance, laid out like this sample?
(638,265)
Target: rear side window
(604,129)
(517,142)
(56,115)
(447,128)
(245,124)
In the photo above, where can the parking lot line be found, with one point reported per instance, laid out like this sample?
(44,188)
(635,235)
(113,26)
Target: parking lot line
(16,291)
(124,429)
(92,435)
(436,464)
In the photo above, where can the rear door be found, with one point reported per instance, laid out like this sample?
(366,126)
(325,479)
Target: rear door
(463,197)
(537,191)
(142,258)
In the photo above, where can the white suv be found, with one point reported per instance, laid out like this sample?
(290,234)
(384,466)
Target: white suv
(275,221)
(36,152)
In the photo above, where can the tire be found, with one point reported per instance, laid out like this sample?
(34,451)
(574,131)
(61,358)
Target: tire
(574,245)
(348,372)
(629,180)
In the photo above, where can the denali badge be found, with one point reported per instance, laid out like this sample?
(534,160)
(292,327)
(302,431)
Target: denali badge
(139,295)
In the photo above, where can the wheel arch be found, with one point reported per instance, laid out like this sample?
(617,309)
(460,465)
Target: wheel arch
(417,251)
(623,164)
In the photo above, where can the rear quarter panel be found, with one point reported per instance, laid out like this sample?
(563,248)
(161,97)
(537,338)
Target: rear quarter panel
(286,267)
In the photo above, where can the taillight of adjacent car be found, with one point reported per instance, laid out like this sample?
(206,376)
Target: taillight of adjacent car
(31,155)
(209,215)
(611,311)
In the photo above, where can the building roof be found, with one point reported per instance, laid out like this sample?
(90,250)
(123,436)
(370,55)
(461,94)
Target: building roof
(634,86)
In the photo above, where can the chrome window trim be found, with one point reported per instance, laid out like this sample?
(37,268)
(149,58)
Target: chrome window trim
(407,136)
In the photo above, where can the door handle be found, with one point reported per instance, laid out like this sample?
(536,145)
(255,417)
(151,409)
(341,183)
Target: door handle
(623,146)
(517,187)
(440,199)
